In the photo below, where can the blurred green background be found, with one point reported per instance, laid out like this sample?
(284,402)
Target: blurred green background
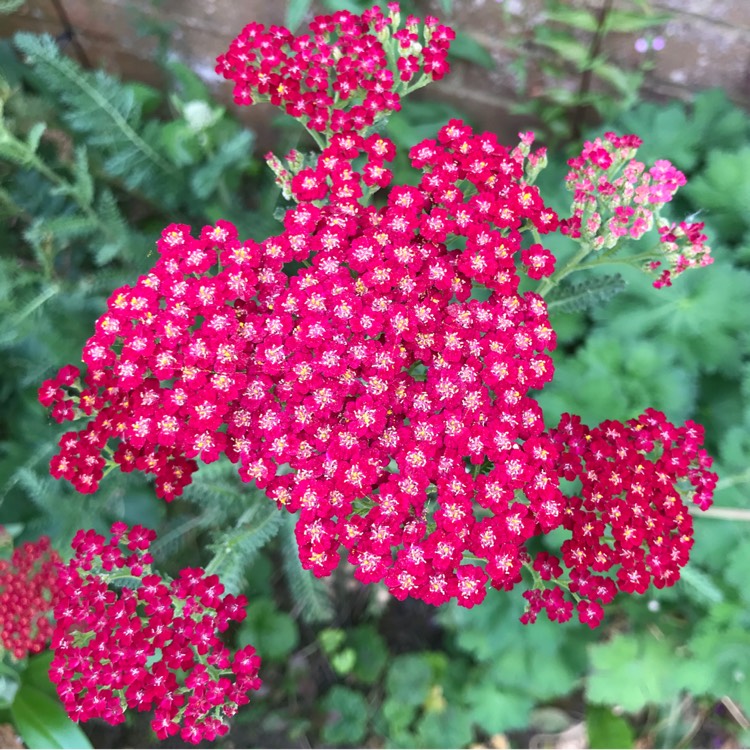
(92,167)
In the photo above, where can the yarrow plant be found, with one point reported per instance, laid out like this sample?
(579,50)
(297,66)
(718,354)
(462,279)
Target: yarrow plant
(29,590)
(153,645)
(372,367)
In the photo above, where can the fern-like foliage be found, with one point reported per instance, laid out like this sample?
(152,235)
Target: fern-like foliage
(105,113)
(235,549)
(218,488)
(569,297)
(310,595)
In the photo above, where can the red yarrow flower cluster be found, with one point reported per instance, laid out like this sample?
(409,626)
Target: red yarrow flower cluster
(153,645)
(340,78)
(28,592)
(630,527)
(373,372)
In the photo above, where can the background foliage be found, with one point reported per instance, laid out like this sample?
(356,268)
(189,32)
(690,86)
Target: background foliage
(92,168)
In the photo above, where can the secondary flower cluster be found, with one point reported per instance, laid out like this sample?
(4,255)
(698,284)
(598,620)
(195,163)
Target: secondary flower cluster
(629,526)
(684,245)
(152,645)
(341,78)
(615,197)
(28,593)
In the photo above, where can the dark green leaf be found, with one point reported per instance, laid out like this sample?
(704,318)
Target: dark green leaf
(36,673)
(347,713)
(607,730)
(42,722)
(371,651)
(273,633)
(10,681)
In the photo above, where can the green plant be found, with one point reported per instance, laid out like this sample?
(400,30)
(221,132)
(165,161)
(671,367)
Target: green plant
(571,46)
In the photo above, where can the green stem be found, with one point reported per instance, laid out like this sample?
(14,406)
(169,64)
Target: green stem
(319,142)
(633,260)
(575,262)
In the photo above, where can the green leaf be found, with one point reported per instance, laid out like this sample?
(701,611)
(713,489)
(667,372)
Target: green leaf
(10,681)
(296,11)
(495,709)
(42,722)
(563,44)
(702,317)
(626,22)
(723,191)
(632,671)
(736,572)
(626,82)
(310,594)
(346,722)
(566,14)
(607,730)
(343,662)
(84,184)
(331,639)
(187,82)
(614,376)
(371,652)
(273,633)
(36,673)
(568,297)
(409,679)
(236,548)
(446,728)
(35,135)
(465,47)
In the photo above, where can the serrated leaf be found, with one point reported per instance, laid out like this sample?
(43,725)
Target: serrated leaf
(465,47)
(346,721)
(496,710)
(723,191)
(446,728)
(702,317)
(633,671)
(409,679)
(236,548)
(568,297)
(310,594)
